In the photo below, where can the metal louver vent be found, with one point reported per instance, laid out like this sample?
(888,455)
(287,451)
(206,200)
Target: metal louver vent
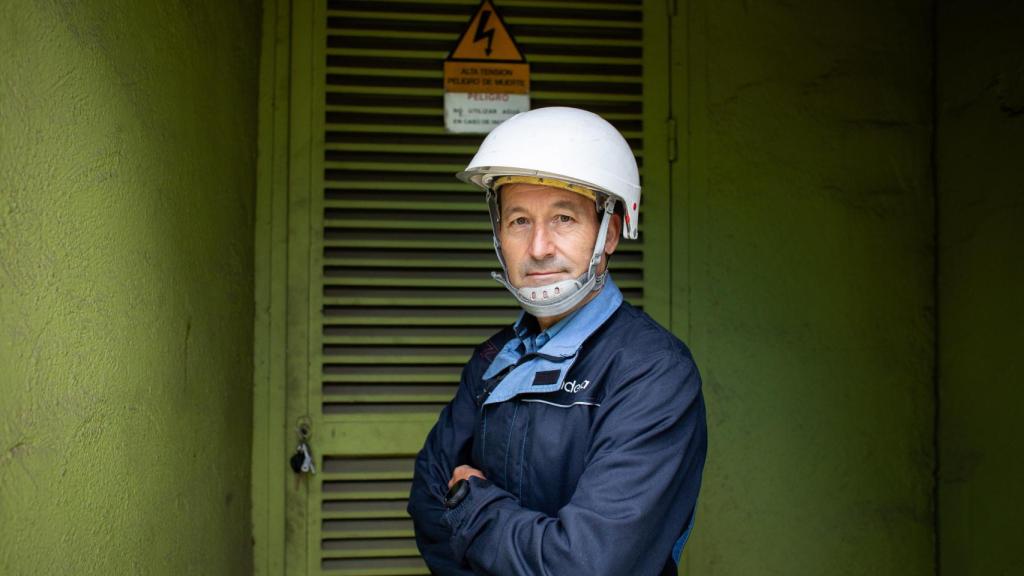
(364,525)
(407,245)
(406,249)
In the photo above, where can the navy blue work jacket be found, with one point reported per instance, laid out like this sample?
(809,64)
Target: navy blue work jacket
(593,446)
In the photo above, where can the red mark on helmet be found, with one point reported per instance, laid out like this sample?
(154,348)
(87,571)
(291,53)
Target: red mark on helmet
(634,205)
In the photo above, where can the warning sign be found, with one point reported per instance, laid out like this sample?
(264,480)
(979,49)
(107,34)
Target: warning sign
(460,76)
(486,77)
(487,38)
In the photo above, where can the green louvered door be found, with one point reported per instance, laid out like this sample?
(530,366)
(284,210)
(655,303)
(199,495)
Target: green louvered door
(397,253)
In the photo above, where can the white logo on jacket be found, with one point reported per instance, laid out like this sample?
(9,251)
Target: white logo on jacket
(573,387)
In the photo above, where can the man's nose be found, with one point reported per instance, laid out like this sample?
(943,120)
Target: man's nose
(541,246)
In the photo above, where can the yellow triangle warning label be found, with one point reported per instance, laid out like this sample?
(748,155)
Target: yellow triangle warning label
(486,38)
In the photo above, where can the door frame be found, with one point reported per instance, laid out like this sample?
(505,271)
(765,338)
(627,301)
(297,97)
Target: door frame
(673,181)
(271,267)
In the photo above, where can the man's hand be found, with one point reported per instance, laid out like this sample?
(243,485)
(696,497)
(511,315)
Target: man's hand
(463,473)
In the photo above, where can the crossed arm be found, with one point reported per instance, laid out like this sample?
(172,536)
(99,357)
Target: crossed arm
(634,498)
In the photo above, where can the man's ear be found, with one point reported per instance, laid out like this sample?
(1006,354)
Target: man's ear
(611,242)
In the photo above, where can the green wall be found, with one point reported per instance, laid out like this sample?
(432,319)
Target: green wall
(806,251)
(810,238)
(981,270)
(127,177)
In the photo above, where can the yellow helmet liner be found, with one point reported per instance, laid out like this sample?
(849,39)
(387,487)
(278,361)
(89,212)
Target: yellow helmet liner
(542,181)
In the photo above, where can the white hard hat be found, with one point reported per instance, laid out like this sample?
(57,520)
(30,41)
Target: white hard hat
(567,144)
(566,148)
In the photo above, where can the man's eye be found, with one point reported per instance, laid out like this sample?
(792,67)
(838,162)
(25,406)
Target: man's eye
(564,219)
(521,221)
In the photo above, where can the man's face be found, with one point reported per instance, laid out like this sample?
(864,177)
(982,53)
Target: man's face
(547,234)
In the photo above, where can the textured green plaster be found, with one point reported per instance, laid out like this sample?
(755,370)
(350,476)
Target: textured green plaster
(811,287)
(127,176)
(981,277)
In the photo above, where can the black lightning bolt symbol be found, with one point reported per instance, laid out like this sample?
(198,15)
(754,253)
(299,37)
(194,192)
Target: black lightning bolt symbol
(481,33)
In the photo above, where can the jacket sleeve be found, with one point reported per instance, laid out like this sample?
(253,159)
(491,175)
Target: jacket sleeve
(633,500)
(448,445)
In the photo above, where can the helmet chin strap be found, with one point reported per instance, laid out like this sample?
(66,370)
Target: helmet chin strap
(559,297)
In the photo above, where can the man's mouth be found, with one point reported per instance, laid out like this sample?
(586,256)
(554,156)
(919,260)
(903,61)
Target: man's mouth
(545,274)
(543,277)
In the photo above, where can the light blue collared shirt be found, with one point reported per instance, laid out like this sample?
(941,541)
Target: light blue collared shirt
(534,342)
(555,348)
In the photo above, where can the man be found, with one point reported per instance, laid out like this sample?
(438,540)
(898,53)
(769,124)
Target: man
(576,440)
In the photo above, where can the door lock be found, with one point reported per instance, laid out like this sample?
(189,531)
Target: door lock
(302,461)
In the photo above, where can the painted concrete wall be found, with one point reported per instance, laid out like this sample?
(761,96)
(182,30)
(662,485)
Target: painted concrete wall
(127,181)
(981,271)
(811,252)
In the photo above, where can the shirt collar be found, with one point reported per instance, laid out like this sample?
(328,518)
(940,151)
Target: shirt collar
(528,330)
(566,336)
(579,325)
